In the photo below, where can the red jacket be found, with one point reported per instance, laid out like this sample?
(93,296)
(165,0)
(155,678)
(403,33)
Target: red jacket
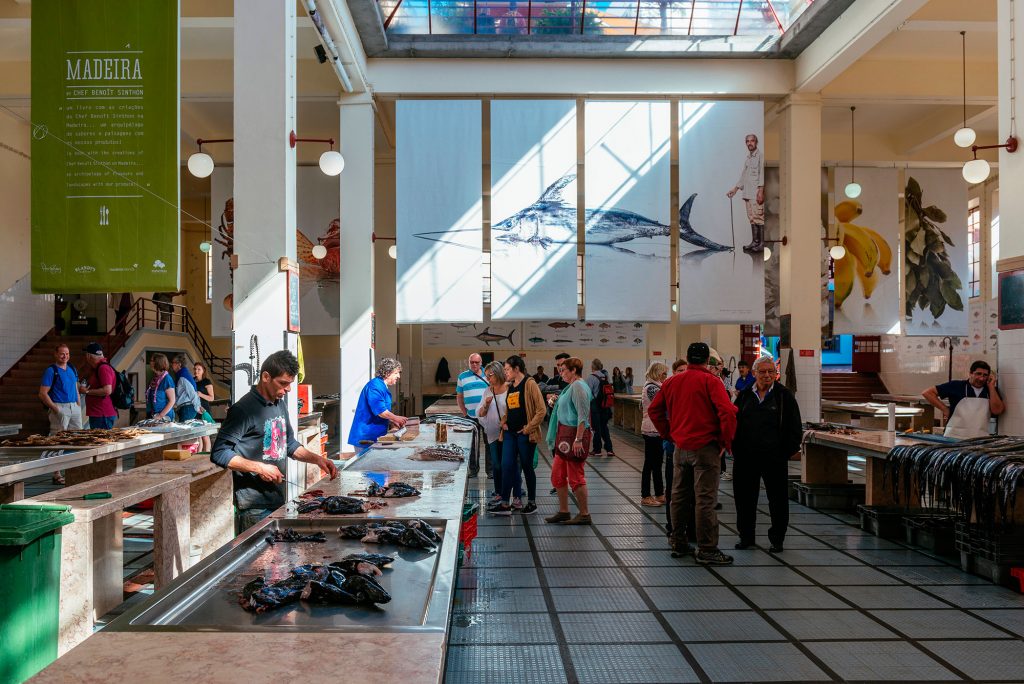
(693,410)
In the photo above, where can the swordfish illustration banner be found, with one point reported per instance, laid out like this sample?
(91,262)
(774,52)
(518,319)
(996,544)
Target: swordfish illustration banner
(563,335)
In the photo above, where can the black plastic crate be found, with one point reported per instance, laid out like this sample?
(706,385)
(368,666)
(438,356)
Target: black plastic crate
(932,531)
(1001,545)
(794,480)
(837,497)
(995,572)
(883,521)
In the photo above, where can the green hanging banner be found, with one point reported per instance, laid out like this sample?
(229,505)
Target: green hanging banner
(105,168)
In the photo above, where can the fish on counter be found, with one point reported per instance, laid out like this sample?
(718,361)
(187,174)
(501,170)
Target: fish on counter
(415,534)
(290,535)
(391,490)
(351,581)
(338,505)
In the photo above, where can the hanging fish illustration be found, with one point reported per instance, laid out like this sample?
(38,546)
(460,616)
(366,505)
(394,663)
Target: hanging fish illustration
(487,337)
(535,340)
(561,324)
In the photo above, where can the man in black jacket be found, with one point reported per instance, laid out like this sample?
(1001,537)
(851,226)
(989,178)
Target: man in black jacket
(768,432)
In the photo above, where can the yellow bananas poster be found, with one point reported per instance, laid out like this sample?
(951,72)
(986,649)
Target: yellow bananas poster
(867,288)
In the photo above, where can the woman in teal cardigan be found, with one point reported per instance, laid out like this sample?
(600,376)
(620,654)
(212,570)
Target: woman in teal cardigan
(573,410)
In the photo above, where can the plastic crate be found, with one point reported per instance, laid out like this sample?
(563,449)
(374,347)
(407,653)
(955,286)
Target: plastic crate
(794,480)
(933,532)
(836,497)
(883,521)
(995,572)
(1002,546)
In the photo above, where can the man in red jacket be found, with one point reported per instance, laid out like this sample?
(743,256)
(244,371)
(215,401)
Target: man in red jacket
(693,410)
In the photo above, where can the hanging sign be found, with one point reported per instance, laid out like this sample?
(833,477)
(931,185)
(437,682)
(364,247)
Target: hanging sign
(105,169)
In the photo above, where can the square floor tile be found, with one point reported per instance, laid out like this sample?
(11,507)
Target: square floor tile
(474,664)
(885,597)
(722,626)
(560,543)
(612,628)
(894,557)
(577,559)
(936,574)
(938,624)
(501,629)
(641,558)
(526,600)
(800,542)
(981,596)
(499,531)
(497,578)
(880,661)
(542,529)
(846,574)
(837,529)
(759,576)
(603,601)
(830,624)
(501,544)
(650,543)
(634,530)
(704,598)
(691,576)
(1013,620)
(586,577)
(982,659)
(804,557)
(750,556)
(770,598)
(857,541)
(628,663)
(756,663)
(515,559)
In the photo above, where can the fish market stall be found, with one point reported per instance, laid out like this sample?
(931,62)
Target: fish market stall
(627,412)
(446,404)
(925,421)
(366,595)
(871,414)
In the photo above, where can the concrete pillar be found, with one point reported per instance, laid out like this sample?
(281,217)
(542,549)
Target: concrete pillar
(264,181)
(386,330)
(800,166)
(1011,213)
(357,255)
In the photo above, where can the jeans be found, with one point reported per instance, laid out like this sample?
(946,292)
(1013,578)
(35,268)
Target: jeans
(652,467)
(494,459)
(186,412)
(668,449)
(101,422)
(599,418)
(747,473)
(247,517)
(516,455)
(695,483)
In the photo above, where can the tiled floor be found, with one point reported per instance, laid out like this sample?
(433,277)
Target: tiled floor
(540,603)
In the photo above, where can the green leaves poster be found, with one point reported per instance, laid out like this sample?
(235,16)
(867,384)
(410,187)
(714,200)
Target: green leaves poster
(105,169)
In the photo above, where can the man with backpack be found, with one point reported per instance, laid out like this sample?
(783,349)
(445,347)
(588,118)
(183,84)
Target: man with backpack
(99,406)
(600,407)
(58,390)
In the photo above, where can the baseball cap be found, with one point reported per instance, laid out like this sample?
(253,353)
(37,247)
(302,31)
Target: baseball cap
(93,348)
(698,352)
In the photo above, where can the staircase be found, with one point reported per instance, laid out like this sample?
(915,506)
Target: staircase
(19,387)
(849,386)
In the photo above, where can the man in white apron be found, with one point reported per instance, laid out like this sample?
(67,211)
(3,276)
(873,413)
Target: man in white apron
(972,402)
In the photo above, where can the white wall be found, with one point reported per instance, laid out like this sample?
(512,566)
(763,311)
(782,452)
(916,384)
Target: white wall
(24,318)
(15,170)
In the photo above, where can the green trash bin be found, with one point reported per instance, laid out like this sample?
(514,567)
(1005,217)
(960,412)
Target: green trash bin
(30,568)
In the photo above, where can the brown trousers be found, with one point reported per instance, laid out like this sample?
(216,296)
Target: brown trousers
(695,476)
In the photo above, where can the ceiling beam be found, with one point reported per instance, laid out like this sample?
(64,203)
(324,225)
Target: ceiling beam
(583,77)
(949,26)
(938,126)
(849,38)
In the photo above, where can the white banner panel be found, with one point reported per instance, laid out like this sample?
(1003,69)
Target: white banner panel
(628,247)
(867,287)
(533,209)
(935,268)
(438,215)
(718,282)
(317,208)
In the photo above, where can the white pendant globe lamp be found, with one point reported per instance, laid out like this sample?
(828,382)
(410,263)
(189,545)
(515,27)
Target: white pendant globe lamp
(200,164)
(393,252)
(853,188)
(332,163)
(319,251)
(964,137)
(837,252)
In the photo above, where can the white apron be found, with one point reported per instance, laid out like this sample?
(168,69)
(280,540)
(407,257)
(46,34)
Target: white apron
(970,419)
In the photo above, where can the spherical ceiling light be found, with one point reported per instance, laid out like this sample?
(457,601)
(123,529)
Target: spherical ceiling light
(393,252)
(332,163)
(976,171)
(675,307)
(200,165)
(965,137)
(205,246)
(319,251)
(853,190)
(767,253)
(837,252)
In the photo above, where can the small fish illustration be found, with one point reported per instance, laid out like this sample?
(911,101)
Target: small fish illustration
(463,326)
(604,326)
(638,325)
(637,340)
(621,337)
(563,341)
(487,337)
(586,339)
(604,340)
(561,324)
(589,325)
(536,340)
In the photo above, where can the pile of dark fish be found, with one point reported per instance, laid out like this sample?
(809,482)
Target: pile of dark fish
(975,476)
(350,581)
(442,452)
(290,535)
(335,505)
(415,534)
(392,490)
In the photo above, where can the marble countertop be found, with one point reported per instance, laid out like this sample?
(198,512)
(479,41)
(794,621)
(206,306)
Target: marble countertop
(127,488)
(198,466)
(253,658)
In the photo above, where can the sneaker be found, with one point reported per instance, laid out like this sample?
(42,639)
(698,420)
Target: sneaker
(494,503)
(649,501)
(580,519)
(718,506)
(529,509)
(741,545)
(715,557)
(559,517)
(501,509)
(679,549)
(553,491)
(727,476)
(775,548)
(517,503)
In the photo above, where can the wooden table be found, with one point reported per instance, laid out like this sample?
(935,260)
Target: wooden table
(868,414)
(627,413)
(447,404)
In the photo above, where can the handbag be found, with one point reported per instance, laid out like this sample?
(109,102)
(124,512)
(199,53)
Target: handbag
(564,438)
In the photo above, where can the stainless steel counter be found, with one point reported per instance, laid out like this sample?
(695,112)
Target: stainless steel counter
(9,429)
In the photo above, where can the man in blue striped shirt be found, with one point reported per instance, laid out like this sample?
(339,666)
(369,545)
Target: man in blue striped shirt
(469,392)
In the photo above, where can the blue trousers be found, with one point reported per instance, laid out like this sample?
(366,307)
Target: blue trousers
(494,453)
(516,455)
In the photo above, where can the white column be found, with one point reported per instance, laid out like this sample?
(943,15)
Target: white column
(800,217)
(264,179)
(357,255)
(1011,210)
